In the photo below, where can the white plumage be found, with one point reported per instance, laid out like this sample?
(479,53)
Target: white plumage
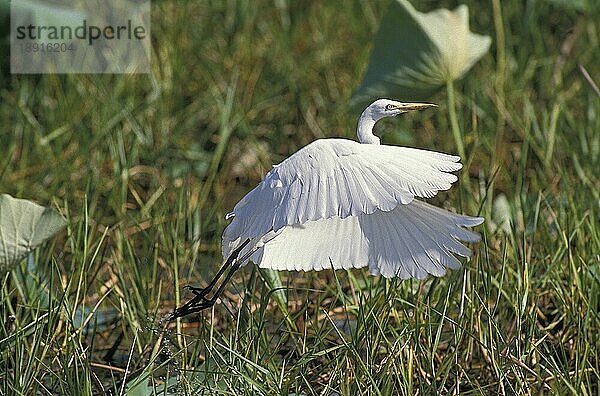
(337,203)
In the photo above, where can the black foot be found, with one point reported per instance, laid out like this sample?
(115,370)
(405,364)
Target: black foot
(198,291)
(196,304)
(200,302)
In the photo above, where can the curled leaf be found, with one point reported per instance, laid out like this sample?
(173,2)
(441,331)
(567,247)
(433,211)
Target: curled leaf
(24,225)
(415,53)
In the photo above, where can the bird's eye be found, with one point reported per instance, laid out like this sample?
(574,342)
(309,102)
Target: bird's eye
(390,107)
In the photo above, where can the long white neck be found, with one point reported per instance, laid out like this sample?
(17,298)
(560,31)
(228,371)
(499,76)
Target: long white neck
(365,128)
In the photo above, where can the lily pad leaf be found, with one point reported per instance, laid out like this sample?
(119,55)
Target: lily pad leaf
(414,54)
(24,225)
(44,13)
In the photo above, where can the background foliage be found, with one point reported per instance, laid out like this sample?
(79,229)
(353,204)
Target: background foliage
(144,168)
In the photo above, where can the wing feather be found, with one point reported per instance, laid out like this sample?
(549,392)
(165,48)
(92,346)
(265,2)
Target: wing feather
(442,237)
(394,246)
(412,240)
(442,255)
(311,250)
(341,178)
(424,248)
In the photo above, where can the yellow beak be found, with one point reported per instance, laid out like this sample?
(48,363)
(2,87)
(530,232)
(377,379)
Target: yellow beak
(414,106)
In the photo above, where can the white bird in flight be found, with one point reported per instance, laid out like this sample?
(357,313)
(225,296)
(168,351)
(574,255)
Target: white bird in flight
(338,203)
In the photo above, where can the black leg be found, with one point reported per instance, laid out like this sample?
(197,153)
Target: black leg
(203,291)
(200,302)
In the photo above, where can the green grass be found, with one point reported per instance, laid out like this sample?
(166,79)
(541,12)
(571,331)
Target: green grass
(144,168)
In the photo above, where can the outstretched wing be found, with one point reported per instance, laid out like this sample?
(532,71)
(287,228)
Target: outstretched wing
(341,178)
(411,240)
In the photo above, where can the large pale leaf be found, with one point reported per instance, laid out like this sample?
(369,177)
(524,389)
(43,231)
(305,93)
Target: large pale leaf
(414,53)
(24,225)
(44,13)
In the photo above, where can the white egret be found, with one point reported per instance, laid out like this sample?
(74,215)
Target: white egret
(338,203)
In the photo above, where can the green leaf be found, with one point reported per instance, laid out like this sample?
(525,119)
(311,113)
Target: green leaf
(24,225)
(274,281)
(415,54)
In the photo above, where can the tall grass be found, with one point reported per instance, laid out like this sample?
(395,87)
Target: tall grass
(144,168)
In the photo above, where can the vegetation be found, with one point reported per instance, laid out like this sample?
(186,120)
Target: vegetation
(145,167)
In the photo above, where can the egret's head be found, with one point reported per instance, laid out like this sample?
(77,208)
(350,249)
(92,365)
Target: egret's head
(379,109)
(390,108)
